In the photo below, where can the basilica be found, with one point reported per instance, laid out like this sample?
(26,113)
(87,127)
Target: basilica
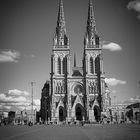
(80,94)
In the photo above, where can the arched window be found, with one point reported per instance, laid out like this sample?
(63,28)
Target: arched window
(97,40)
(89,89)
(97,65)
(91,65)
(59,65)
(59,87)
(61,42)
(65,40)
(93,41)
(64,65)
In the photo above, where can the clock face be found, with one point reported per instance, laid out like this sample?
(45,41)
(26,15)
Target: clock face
(78,89)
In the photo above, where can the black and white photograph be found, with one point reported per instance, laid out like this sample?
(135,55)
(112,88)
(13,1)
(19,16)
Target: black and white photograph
(69,69)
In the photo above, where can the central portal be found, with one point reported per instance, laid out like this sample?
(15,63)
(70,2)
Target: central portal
(61,114)
(78,114)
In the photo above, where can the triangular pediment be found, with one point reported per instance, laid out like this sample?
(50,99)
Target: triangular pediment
(78,100)
(60,103)
(95,103)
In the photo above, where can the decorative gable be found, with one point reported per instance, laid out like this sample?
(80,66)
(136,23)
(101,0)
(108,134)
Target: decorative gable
(60,103)
(78,100)
(95,103)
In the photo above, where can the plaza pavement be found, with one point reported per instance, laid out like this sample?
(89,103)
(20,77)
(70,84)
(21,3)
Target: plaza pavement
(65,132)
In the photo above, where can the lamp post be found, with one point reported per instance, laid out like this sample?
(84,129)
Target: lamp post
(32,112)
(114,100)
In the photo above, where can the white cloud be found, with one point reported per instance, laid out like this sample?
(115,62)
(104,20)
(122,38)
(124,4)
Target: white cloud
(132,100)
(9,56)
(114,81)
(134,5)
(16,92)
(111,46)
(11,99)
(17,99)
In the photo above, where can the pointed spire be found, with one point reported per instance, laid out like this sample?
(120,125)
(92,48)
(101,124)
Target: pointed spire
(74,60)
(91,19)
(61,19)
(61,40)
(90,10)
(61,11)
(91,37)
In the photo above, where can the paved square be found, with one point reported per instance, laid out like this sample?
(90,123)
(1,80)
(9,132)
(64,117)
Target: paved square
(64,132)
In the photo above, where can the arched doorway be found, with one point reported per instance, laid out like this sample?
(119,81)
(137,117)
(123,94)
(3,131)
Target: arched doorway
(78,114)
(137,116)
(129,114)
(61,114)
(97,113)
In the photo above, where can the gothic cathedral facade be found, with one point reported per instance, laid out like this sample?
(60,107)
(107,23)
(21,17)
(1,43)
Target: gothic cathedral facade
(81,94)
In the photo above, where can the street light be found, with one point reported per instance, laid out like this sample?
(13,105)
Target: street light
(32,113)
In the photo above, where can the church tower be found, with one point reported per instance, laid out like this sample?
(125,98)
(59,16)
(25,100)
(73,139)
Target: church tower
(82,94)
(60,66)
(92,67)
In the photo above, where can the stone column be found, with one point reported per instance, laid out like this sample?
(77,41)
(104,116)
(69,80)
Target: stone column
(55,65)
(53,109)
(102,69)
(61,65)
(94,65)
(86,61)
(87,102)
(88,66)
(69,104)
(68,65)
(91,115)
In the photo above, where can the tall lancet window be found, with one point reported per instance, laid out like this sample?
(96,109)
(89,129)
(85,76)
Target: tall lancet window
(97,40)
(64,65)
(59,65)
(91,65)
(97,65)
(65,40)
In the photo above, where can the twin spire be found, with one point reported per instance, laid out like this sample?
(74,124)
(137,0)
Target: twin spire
(91,19)
(61,40)
(61,19)
(91,39)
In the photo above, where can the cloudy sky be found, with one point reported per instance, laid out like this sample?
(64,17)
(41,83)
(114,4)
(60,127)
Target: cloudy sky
(26,36)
